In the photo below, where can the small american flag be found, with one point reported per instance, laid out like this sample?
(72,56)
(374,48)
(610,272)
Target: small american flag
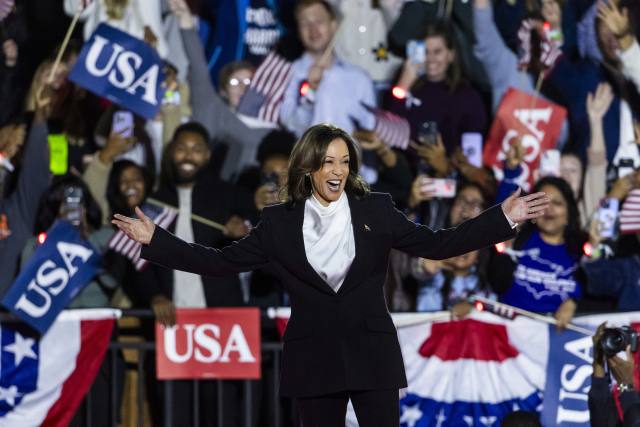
(393,129)
(630,213)
(6,6)
(263,97)
(122,244)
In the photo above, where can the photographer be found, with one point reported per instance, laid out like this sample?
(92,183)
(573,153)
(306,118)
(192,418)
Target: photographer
(602,406)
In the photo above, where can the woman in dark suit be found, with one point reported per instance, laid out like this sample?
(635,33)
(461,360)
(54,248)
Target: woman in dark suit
(329,244)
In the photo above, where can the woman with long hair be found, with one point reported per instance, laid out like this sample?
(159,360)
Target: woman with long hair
(329,243)
(539,271)
(435,91)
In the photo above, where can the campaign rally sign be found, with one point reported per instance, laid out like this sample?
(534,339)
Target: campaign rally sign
(122,68)
(538,127)
(59,269)
(210,344)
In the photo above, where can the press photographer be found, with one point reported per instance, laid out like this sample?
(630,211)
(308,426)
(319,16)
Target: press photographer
(607,342)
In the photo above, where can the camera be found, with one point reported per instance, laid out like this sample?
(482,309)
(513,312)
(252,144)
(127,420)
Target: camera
(615,340)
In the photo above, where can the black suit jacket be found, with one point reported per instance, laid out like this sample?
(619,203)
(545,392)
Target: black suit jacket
(344,340)
(215,200)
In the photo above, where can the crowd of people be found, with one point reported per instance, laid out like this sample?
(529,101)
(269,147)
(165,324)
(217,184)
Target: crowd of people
(203,157)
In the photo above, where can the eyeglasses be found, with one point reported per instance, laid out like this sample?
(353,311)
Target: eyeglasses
(236,82)
(474,205)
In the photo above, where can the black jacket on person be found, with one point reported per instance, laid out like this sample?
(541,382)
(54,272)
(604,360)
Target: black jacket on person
(341,340)
(214,200)
(602,406)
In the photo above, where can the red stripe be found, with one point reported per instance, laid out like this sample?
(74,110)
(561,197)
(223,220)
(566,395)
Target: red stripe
(272,110)
(257,77)
(267,73)
(483,341)
(94,340)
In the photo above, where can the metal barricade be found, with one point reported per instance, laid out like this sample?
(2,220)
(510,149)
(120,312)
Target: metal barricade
(273,349)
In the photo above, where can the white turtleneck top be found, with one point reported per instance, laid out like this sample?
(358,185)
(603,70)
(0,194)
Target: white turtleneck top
(328,239)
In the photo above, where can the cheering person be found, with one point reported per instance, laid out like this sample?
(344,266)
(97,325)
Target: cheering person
(329,243)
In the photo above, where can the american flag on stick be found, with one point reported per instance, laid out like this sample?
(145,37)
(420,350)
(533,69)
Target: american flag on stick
(393,129)
(630,213)
(121,243)
(263,97)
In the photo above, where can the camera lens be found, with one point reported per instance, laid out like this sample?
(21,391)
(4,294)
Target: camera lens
(613,341)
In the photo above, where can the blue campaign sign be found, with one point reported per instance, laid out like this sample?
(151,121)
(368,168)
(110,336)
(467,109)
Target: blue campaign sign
(568,379)
(123,69)
(59,269)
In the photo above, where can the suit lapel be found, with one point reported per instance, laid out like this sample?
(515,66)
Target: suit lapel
(290,235)
(362,261)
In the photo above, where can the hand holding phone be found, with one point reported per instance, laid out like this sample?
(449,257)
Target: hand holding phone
(417,55)
(625,167)
(607,216)
(550,163)
(472,148)
(72,207)
(123,120)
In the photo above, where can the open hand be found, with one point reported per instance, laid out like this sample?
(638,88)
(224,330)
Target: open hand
(524,208)
(598,103)
(141,230)
(617,22)
(182,11)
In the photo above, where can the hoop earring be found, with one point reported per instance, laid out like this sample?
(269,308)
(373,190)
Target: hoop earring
(534,220)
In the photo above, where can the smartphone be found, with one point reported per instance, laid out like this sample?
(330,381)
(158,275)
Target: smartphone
(444,188)
(550,163)
(72,207)
(607,215)
(416,53)
(121,121)
(428,133)
(625,167)
(472,148)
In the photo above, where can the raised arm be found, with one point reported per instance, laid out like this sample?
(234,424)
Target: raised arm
(162,247)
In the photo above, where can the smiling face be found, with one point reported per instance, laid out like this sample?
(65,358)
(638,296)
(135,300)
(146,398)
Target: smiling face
(438,58)
(132,186)
(328,182)
(189,156)
(316,28)
(571,171)
(553,222)
(467,204)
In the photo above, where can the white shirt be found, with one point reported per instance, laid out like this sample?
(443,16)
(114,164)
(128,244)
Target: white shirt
(328,239)
(188,291)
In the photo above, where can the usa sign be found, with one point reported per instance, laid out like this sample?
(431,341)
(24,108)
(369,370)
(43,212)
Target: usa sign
(123,69)
(538,127)
(59,269)
(217,343)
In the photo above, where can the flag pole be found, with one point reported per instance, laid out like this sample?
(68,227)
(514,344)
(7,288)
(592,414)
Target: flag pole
(74,21)
(193,216)
(534,316)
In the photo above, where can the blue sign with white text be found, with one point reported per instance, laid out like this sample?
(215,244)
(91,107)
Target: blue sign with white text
(123,69)
(59,269)
(568,379)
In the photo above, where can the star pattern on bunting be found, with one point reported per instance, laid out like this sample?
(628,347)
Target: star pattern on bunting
(21,348)
(9,394)
(411,414)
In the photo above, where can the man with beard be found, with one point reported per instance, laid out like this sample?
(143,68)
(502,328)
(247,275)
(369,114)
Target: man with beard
(186,183)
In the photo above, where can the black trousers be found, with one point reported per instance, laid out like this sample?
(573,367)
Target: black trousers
(374,408)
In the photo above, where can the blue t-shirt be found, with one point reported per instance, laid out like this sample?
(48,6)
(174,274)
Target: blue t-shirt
(543,278)
(430,292)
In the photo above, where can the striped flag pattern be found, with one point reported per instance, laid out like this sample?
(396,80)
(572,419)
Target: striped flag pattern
(122,244)
(6,6)
(630,213)
(265,93)
(393,129)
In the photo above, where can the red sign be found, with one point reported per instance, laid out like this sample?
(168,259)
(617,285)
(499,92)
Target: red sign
(538,127)
(210,344)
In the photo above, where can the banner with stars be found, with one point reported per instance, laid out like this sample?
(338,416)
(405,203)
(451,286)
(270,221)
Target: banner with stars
(43,379)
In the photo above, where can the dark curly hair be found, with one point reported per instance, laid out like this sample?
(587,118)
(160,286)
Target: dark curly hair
(117,200)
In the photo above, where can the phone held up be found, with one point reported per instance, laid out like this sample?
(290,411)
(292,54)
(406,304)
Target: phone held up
(416,53)
(123,120)
(72,207)
(472,148)
(438,187)
(607,215)
(625,167)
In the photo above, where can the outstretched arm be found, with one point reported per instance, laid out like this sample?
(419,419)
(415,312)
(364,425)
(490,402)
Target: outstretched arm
(162,247)
(486,229)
